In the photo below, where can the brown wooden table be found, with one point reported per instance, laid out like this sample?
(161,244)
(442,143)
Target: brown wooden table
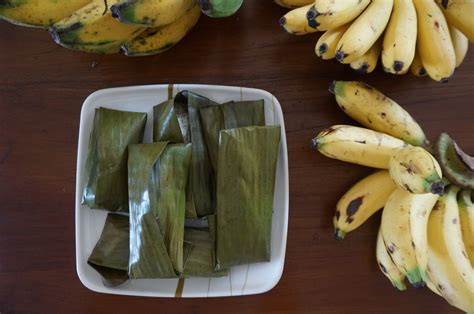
(42,87)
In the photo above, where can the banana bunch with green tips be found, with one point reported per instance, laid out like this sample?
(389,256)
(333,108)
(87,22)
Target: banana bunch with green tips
(426,232)
(427,37)
(135,27)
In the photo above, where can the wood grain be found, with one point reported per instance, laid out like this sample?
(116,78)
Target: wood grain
(42,87)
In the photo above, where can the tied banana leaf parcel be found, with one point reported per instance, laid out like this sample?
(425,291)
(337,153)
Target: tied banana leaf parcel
(105,178)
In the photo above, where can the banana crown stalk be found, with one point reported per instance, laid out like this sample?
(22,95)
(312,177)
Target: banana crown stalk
(416,171)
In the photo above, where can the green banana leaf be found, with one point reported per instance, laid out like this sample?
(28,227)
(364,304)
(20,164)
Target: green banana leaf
(157,178)
(105,177)
(245,188)
(110,255)
(229,115)
(165,123)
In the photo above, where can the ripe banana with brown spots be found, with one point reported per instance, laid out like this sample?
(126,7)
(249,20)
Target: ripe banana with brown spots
(368,61)
(357,145)
(417,66)
(295,22)
(460,14)
(293,4)
(364,31)
(329,14)
(361,201)
(326,45)
(434,41)
(387,266)
(466,213)
(460,44)
(416,171)
(395,227)
(374,110)
(399,42)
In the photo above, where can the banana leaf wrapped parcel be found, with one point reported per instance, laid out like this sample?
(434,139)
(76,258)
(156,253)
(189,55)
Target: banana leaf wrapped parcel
(105,177)
(245,188)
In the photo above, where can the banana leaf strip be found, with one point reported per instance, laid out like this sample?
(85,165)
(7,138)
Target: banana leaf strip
(229,115)
(245,188)
(105,177)
(110,255)
(157,177)
(165,123)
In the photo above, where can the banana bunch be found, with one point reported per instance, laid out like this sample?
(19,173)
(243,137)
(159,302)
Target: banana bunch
(135,27)
(426,231)
(427,37)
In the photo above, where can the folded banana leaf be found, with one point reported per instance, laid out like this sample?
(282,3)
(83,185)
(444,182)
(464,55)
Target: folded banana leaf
(229,115)
(245,188)
(157,178)
(110,255)
(105,177)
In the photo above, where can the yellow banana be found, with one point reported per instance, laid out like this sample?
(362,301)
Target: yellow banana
(460,44)
(374,110)
(357,145)
(38,13)
(93,29)
(364,31)
(451,229)
(387,266)
(326,45)
(293,4)
(150,13)
(399,41)
(420,207)
(395,227)
(417,66)
(441,267)
(459,13)
(434,42)
(329,14)
(416,171)
(466,213)
(368,61)
(361,201)
(156,40)
(295,22)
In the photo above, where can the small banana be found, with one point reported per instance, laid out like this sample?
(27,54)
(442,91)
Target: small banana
(361,201)
(374,110)
(399,41)
(293,4)
(295,22)
(416,171)
(150,13)
(329,14)
(387,266)
(326,45)
(364,31)
(395,227)
(156,40)
(459,14)
(420,207)
(460,44)
(441,267)
(357,145)
(434,42)
(451,229)
(417,66)
(368,61)
(466,213)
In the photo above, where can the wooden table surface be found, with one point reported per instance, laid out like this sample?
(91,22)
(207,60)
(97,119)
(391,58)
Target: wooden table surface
(42,87)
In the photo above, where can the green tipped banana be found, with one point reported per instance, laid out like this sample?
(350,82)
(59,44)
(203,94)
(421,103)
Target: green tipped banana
(93,29)
(156,40)
(416,171)
(374,110)
(38,13)
(219,8)
(457,166)
(149,12)
(387,266)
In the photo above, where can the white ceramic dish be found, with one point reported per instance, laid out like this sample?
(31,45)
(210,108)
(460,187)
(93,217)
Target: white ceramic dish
(242,280)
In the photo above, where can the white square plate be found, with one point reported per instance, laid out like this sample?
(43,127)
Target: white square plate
(242,280)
